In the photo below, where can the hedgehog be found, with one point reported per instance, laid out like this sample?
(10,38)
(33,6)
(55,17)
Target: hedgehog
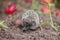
(30,20)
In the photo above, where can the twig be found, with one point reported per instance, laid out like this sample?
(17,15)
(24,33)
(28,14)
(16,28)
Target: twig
(52,24)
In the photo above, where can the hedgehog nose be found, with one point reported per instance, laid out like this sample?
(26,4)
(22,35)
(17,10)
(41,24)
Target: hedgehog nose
(24,28)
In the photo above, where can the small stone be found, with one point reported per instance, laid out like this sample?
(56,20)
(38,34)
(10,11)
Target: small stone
(18,22)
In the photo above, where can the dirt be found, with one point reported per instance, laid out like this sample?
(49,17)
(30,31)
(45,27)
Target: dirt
(15,33)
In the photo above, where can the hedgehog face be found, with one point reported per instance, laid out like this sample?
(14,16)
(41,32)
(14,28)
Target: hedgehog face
(28,25)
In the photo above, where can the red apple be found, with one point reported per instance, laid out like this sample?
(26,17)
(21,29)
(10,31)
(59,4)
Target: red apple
(45,9)
(47,1)
(29,1)
(57,14)
(10,9)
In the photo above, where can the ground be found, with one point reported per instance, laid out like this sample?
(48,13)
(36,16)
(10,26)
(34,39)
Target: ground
(15,33)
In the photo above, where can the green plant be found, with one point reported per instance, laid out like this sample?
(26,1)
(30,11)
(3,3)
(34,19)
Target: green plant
(49,6)
(51,23)
(2,25)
